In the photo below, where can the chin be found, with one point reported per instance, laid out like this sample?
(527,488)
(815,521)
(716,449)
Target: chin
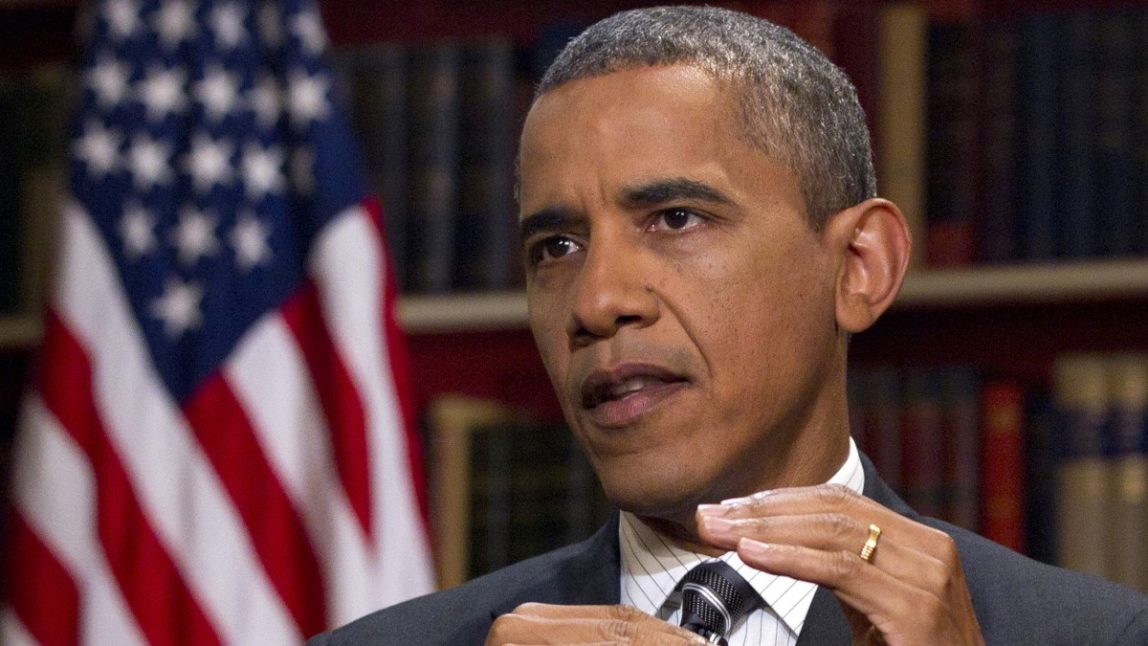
(650,491)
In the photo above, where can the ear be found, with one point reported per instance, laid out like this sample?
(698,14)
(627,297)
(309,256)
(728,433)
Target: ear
(871,243)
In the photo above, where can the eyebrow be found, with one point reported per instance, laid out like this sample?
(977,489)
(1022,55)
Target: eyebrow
(650,194)
(669,190)
(552,218)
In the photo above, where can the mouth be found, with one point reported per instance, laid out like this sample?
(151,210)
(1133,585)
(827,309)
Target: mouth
(618,397)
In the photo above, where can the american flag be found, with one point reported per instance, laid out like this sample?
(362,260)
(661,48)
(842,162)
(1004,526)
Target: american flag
(216,448)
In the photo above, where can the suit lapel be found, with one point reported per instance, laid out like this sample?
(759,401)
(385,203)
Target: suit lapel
(588,574)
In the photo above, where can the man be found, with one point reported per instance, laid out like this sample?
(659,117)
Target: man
(702,236)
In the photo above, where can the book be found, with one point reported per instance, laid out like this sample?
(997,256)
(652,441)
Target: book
(1040,473)
(996,219)
(1128,470)
(1140,130)
(433,103)
(1002,463)
(1037,98)
(1075,221)
(1083,509)
(952,104)
(1116,212)
(485,228)
(505,487)
(901,164)
(960,429)
(923,442)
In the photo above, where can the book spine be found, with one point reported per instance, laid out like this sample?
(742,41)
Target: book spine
(1128,472)
(1115,208)
(996,219)
(1037,85)
(903,53)
(951,155)
(1040,468)
(960,428)
(1075,222)
(484,232)
(1002,466)
(1082,477)
(1140,130)
(923,469)
(433,107)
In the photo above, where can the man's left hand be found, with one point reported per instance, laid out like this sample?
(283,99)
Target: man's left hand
(912,589)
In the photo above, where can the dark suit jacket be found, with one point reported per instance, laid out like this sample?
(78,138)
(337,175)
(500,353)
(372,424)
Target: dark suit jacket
(1017,600)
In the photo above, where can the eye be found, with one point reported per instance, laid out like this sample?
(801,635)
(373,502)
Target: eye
(676,219)
(551,248)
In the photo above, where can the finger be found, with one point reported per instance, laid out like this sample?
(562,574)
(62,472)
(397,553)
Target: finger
(831,499)
(894,607)
(826,532)
(536,623)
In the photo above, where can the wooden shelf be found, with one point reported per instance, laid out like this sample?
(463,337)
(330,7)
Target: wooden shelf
(19,332)
(967,287)
(463,312)
(970,287)
(1015,284)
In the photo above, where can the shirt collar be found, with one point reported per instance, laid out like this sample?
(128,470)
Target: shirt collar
(652,565)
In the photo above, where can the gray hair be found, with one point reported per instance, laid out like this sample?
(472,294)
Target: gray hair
(792,103)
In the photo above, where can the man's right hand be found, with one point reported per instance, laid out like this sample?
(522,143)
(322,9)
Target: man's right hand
(538,623)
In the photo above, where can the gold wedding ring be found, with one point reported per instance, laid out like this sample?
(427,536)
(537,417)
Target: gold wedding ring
(870,543)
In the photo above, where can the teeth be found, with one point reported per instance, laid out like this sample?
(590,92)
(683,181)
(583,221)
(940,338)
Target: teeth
(631,385)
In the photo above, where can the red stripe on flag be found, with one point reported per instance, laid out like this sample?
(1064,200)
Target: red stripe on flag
(42,593)
(276,529)
(341,402)
(152,586)
(400,365)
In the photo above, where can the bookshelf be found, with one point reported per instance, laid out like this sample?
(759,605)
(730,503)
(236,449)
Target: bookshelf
(1004,318)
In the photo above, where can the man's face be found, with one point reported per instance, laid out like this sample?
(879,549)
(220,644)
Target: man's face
(683,308)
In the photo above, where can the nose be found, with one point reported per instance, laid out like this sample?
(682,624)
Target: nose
(614,290)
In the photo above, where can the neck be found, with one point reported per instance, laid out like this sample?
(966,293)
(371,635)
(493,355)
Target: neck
(683,531)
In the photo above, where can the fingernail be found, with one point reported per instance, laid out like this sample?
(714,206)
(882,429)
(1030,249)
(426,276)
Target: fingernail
(717,525)
(745,500)
(754,549)
(713,510)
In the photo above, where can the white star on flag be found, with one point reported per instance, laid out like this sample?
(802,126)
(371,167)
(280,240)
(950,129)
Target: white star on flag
(178,307)
(108,78)
(307,97)
(249,239)
(227,25)
(98,148)
(162,92)
(208,162)
(218,92)
(123,18)
(148,161)
(194,236)
(309,29)
(175,23)
(262,170)
(137,228)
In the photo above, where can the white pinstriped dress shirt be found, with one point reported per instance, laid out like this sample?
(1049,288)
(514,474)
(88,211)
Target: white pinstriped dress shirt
(652,566)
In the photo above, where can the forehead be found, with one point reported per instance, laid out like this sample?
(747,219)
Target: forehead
(588,141)
(644,121)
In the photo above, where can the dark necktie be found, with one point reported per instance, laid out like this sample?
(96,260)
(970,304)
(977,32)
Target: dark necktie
(714,599)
